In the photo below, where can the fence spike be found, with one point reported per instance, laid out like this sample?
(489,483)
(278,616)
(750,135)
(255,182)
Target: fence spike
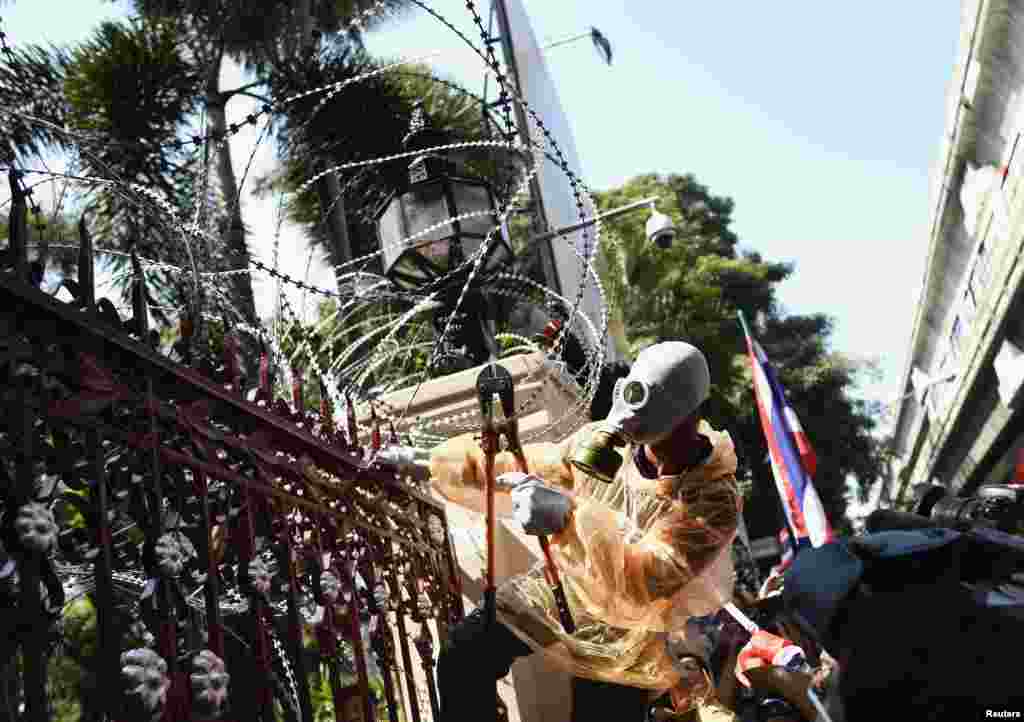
(140,309)
(86,278)
(18,228)
(297,400)
(375,441)
(353,428)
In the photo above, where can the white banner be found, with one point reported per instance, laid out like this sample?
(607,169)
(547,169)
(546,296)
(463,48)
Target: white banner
(538,89)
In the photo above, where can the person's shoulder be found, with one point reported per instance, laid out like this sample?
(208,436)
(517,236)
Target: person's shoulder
(722,463)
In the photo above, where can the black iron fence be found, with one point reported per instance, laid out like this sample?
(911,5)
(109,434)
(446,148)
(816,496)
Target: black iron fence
(243,559)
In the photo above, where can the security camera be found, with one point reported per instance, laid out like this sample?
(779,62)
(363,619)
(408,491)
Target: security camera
(660,230)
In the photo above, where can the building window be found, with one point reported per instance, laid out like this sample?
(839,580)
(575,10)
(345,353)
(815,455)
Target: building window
(956,336)
(983,268)
(931,401)
(981,276)
(968,306)
(940,394)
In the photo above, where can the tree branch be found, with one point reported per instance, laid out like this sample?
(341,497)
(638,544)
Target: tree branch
(272,54)
(226,96)
(241,89)
(220,51)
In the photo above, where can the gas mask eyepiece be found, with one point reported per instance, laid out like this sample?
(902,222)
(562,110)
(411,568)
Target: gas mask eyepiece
(634,392)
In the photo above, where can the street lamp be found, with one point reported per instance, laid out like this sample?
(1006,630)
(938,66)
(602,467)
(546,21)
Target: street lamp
(426,209)
(436,192)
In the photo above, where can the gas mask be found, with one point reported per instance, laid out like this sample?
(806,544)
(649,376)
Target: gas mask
(666,384)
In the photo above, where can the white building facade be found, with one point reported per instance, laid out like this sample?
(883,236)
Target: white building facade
(960,423)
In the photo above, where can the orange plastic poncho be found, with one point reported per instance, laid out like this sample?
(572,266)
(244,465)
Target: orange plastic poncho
(638,558)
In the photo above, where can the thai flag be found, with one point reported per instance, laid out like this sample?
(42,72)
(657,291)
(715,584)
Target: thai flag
(787,550)
(783,540)
(793,460)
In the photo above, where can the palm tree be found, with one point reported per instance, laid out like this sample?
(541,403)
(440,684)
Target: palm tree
(290,48)
(55,231)
(130,92)
(122,100)
(31,81)
(268,37)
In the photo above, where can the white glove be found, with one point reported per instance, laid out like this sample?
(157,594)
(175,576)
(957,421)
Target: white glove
(541,509)
(401,456)
(772,586)
(511,480)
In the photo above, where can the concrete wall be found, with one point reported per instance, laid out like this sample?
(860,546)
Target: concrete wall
(449,406)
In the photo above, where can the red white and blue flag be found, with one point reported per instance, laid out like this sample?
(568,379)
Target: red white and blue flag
(787,552)
(792,458)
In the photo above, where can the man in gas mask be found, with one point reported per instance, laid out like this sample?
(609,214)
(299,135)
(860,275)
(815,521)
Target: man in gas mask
(642,539)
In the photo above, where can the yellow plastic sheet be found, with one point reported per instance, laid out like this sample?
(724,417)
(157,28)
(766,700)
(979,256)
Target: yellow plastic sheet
(638,557)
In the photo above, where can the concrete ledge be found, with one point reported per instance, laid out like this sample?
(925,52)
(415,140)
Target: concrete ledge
(448,406)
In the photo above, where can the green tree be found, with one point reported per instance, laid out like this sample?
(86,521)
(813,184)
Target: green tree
(31,80)
(135,89)
(272,39)
(319,132)
(130,90)
(120,101)
(47,245)
(311,138)
(337,341)
(72,681)
(693,292)
(821,385)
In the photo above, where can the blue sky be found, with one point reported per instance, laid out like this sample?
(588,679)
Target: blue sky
(821,121)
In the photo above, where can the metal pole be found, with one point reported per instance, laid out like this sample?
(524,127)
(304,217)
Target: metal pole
(924,387)
(591,221)
(566,41)
(403,640)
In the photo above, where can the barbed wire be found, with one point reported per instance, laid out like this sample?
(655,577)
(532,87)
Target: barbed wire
(388,349)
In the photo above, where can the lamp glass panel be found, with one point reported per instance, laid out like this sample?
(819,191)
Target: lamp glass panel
(390,230)
(437,252)
(425,206)
(414,275)
(468,198)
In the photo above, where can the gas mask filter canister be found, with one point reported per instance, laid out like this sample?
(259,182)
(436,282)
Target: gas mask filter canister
(666,384)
